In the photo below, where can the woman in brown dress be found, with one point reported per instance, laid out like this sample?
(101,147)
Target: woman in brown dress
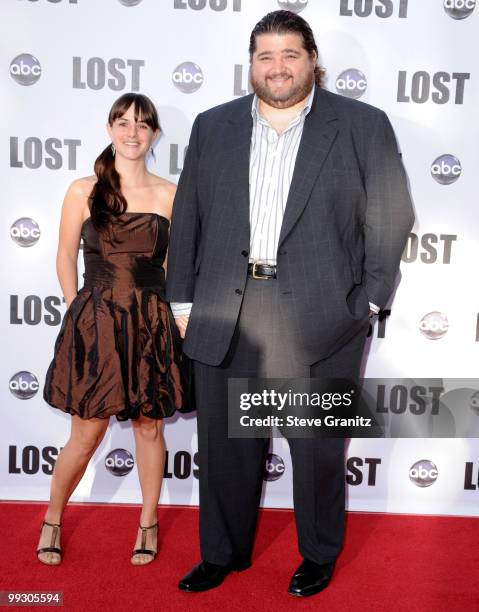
(118,349)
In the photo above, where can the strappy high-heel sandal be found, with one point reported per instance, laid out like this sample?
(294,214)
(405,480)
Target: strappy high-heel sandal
(52,548)
(143,550)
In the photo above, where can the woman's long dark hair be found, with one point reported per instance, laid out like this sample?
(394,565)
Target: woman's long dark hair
(106,200)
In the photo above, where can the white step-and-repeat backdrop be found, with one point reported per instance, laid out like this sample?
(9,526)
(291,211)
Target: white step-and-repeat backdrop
(64,62)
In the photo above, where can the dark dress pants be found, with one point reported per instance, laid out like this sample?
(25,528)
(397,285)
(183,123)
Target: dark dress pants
(231,469)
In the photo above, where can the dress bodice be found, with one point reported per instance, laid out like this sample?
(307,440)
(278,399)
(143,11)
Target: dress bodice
(130,253)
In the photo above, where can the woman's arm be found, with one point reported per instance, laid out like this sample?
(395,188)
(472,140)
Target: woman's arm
(74,212)
(167,208)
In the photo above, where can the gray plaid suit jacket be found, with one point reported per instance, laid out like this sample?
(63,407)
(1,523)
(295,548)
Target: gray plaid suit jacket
(346,222)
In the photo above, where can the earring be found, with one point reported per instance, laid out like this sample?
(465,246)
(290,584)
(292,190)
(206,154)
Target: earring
(113,150)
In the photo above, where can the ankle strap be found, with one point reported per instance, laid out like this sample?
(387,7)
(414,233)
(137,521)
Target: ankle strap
(150,527)
(51,524)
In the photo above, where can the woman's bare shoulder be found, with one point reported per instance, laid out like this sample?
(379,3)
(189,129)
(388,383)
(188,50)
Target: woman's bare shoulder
(164,194)
(162,184)
(82,186)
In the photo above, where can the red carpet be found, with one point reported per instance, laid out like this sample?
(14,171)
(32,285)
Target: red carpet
(390,562)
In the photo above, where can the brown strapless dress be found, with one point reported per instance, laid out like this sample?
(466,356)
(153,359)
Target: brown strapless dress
(119,351)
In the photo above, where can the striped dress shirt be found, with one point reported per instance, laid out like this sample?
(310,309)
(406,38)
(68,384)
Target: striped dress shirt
(271,167)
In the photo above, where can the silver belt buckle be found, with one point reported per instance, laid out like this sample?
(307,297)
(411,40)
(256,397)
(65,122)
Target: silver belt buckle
(258,276)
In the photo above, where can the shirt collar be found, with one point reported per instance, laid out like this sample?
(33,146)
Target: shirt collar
(304,111)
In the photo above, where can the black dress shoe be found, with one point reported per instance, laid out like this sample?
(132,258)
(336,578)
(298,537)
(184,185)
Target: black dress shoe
(204,576)
(310,578)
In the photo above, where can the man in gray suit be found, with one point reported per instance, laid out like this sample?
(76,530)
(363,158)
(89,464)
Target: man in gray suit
(289,222)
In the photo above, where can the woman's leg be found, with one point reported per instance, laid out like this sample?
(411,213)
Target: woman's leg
(70,466)
(150,459)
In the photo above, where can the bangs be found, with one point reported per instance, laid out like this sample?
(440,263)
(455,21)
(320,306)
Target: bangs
(143,107)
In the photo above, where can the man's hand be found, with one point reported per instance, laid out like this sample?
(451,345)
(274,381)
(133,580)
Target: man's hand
(181,324)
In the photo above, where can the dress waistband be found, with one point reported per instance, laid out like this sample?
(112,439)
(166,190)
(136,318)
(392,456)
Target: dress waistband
(108,275)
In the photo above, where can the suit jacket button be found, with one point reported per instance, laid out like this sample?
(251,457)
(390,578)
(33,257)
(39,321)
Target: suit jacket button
(238,292)
(244,253)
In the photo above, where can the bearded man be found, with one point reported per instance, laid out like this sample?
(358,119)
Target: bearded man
(288,225)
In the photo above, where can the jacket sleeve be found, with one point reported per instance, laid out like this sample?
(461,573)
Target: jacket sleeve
(389,213)
(185,228)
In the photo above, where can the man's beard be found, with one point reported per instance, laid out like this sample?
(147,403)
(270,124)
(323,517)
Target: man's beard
(287,98)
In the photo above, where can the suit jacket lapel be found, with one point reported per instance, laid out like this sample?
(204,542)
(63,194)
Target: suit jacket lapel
(238,141)
(319,132)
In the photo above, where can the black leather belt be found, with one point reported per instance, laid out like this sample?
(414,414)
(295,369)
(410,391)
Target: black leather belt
(261,271)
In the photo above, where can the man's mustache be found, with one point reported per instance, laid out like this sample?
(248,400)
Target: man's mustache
(282,75)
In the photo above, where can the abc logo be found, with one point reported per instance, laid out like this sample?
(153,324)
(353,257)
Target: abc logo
(119,462)
(475,403)
(351,83)
(23,385)
(25,232)
(459,9)
(129,2)
(293,5)
(274,467)
(423,473)
(188,77)
(446,169)
(434,325)
(25,69)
